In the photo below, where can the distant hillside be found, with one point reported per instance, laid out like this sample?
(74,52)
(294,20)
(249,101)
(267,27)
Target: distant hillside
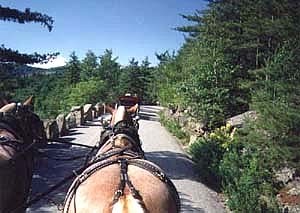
(24,70)
(55,70)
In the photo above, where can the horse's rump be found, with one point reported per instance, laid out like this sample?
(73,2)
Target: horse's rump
(96,189)
(119,179)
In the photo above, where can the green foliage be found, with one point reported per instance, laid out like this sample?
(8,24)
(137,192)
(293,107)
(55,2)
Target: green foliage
(247,181)
(167,78)
(239,166)
(208,151)
(48,90)
(8,83)
(209,88)
(276,99)
(174,127)
(246,166)
(135,78)
(240,54)
(84,92)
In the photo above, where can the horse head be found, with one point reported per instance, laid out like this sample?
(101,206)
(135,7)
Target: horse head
(19,121)
(123,129)
(20,128)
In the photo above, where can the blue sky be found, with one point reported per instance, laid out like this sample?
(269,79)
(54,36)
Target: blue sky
(131,28)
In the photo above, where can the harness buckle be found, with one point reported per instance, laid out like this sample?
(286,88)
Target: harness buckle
(3,138)
(118,193)
(75,173)
(161,176)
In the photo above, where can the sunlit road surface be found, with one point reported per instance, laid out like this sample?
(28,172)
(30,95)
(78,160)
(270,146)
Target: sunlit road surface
(160,147)
(163,149)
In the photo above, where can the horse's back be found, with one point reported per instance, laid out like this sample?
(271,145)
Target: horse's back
(96,193)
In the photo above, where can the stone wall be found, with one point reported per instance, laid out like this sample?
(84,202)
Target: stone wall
(196,129)
(78,115)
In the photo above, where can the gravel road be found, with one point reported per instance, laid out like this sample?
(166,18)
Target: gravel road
(160,147)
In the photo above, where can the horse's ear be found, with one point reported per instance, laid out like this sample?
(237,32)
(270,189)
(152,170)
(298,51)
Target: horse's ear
(109,109)
(133,109)
(8,107)
(3,102)
(29,101)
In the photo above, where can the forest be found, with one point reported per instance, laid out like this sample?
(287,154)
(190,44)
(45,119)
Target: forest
(238,55)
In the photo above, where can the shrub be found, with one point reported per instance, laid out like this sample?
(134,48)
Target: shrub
(246,181)
(208,151)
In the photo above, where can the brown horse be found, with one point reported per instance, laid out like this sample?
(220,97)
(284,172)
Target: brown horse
(19,129)
(119,179)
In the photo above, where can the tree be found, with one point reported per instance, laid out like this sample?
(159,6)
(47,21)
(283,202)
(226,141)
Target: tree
(9,55)
(135,78)
(89,66)
(109,71)
(109,67)
(8,82)
(72,73)
(146,90)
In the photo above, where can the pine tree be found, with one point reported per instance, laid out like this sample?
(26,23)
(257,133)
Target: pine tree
(89,66)
(109,67)
(146,78)
(135,78)
(73,69)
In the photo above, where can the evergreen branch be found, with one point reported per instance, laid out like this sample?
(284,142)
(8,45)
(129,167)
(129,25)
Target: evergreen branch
(194,18)
(8,14)
(9,55)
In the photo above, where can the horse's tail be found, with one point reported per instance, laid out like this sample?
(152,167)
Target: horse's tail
(128,204)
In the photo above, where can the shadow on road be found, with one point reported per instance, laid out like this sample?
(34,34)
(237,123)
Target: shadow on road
(87,124)
(148,117)
(187,204)
(49,172)
(179,166)
(74,133)
(176,165)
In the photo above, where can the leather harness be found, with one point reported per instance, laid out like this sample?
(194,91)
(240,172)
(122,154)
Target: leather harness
(125,157)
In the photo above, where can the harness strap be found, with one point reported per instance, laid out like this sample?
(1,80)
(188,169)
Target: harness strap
(14,143)
(5,126)
(136,144)
(157,172)
(124,179)
(18,146)
(81,178)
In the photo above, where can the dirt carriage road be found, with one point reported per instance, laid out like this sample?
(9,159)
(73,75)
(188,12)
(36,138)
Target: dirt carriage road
(163,149)
(160,147)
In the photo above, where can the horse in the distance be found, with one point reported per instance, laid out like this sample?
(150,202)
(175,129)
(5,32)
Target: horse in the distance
(119,179)
(20,128)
